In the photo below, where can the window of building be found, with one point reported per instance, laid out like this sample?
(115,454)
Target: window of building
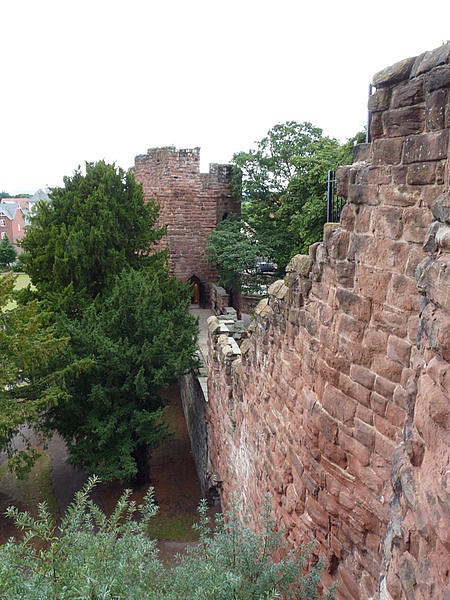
(18,226)
(3,235)
(2,222)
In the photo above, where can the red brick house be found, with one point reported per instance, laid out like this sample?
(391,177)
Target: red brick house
(12,222)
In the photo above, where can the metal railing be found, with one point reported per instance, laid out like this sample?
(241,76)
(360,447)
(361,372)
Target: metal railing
(334,203)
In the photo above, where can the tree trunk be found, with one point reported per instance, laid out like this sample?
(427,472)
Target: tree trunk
(141,456)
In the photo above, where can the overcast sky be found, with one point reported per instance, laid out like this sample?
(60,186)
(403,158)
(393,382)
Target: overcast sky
(86,80)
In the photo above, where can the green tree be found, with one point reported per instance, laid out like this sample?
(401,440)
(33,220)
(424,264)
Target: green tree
(92,228)
(139,340)
(89,253)
(8,253)
(234,250)
(284,183)
(93,556)
(29,382)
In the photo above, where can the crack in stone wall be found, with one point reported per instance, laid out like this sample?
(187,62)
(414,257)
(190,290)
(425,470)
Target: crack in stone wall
(338,403)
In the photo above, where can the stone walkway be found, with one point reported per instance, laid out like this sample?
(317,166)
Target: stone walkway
(202,314)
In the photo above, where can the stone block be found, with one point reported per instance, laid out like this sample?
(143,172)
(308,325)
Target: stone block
(403,121)
(379,100)
(387,222)
(400,195)
(364,433)
(300,264)
(342,180)
(357,307)
(378,403)
(361,152)
(390,319)
(435,110)
(318,514)
(339,405)
(385,427)
(408,93)
(421,174)
(425,147)
(275,287)
(363,376)
(372,283)
(353,389)
(437,78)
(393,74)
(379,175)
(399,173)
(431,59)
(387,368)
(384,447)
(387,151)
(403,294)
(415,224)
(399,350)
(441,208)
(375,339)
(376,126)
(384,387)
(337,244)
(345,273)
(363,219)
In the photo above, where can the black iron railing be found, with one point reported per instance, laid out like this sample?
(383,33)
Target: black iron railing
(334,203)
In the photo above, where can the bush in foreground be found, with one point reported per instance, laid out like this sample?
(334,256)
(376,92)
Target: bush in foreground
(91,556)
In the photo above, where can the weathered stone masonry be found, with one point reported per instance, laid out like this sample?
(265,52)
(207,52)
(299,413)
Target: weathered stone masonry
(191,205)
(338,403)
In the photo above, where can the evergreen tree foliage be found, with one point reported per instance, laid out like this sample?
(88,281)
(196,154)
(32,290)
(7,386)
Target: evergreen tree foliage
(139,340)
(8,253)
(92,228)
(30,384)
(89,254)
(283,184)
(93,556)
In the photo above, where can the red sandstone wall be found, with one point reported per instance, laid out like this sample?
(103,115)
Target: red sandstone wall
(191,204)
(339,404)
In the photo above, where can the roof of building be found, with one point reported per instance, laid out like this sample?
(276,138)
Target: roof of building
(9,209)
(41,194)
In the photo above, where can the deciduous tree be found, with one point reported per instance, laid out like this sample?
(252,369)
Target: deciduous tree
(284,182)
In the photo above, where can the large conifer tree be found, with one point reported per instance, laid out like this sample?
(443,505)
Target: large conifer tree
(89,254)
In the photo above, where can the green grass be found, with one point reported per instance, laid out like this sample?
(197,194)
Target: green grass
(174,527)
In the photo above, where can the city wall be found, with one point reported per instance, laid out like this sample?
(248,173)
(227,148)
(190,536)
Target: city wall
(337,405)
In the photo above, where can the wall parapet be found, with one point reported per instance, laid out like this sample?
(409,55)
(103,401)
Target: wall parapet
(337,403)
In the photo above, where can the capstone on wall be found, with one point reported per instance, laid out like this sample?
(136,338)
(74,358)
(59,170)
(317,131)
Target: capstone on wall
(191,205)
(338,403)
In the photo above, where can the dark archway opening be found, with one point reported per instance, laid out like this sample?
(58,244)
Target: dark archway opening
(197,291)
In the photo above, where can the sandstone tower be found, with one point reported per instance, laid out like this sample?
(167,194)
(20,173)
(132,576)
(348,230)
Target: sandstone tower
(191,205)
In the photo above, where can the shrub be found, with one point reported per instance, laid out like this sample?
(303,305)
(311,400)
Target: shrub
(92,556)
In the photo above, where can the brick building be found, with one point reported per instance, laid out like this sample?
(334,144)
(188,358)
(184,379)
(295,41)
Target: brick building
(191,205)
(12,223)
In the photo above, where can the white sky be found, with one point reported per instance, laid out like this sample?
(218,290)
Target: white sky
(85,80)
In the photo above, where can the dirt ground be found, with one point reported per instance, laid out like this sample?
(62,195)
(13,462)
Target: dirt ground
(172,474)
